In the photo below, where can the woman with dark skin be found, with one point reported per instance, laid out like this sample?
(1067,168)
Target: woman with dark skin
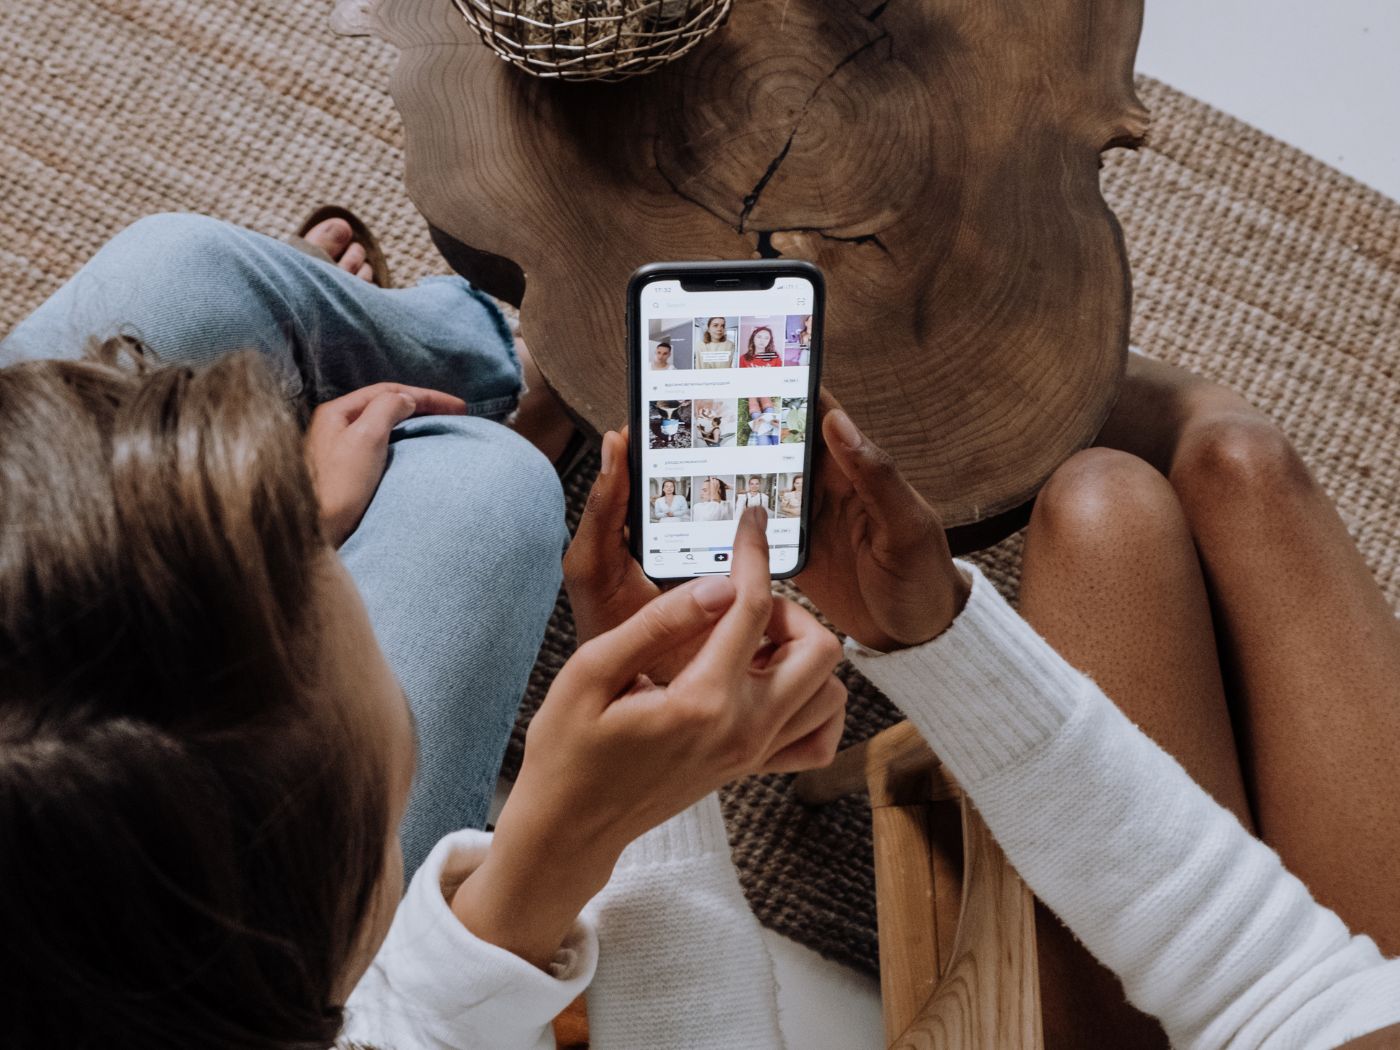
(1199,574)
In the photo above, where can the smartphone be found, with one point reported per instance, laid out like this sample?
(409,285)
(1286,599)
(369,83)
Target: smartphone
(724,364)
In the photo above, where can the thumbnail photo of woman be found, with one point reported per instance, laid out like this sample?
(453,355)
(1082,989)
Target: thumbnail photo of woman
(759,348)
(794,417)
(669,500)
(716,422)
(669,343)
(797,347)
(714,498)
(760,421)
(669,424)
(714,342)
(789,495)
(755,490)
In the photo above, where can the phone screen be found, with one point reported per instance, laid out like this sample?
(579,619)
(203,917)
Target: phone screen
(727,381)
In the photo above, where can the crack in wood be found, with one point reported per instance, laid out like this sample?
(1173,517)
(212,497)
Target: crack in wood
(863,238)
(767,250)
(751,198)
(764,238)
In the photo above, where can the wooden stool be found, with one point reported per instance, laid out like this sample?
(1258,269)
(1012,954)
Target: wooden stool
(957,925)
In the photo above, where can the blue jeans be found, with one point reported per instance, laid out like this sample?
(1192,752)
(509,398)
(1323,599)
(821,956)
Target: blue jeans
(458,555)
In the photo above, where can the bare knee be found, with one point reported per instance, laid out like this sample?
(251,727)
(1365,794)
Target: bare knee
(1237,461)
(1101,498)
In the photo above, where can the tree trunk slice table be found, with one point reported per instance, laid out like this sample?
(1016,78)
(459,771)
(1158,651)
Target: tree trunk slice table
(938,159)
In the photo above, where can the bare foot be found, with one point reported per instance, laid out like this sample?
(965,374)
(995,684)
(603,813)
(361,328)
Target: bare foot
(541,418)
(336,239)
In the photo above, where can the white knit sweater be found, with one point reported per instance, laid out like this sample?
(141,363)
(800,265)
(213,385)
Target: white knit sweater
(1199,919)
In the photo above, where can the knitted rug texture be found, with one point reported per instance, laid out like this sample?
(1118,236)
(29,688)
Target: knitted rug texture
(1253,264)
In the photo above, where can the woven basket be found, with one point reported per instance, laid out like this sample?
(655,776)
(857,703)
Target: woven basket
(593,39)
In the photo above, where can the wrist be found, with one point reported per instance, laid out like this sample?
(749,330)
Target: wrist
(948,601)
(526,897)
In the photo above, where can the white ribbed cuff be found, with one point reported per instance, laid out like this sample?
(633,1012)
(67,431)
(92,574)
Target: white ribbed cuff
(433,980)
(986,692)
(694,832)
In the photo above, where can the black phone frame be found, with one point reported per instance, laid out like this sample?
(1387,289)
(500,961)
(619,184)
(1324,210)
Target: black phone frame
(735,276)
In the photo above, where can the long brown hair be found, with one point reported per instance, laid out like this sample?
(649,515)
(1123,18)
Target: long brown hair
(192,836)
(752,351)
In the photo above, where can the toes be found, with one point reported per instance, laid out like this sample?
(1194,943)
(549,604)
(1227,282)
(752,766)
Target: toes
(353,258)
(332,236)
(365,273)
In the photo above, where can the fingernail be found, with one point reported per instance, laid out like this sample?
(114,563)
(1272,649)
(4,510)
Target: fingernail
(606,468)
(759,516)
(714,593)
(846,430)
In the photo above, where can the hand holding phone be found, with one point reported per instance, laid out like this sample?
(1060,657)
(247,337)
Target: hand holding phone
(880,568)
(604,582)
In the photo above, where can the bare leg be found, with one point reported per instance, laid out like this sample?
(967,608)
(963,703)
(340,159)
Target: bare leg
(1111,579)
(1310,646)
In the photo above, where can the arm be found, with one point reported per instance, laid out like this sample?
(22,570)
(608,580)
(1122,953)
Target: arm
(1197,917)
(681,959)
(1200,920)
(711,681)
(434,985)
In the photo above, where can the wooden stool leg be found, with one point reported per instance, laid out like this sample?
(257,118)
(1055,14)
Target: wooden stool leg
(989,994)
(958,964)
(904,905)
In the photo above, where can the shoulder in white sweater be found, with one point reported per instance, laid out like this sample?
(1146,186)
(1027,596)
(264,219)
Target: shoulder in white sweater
(1200,919)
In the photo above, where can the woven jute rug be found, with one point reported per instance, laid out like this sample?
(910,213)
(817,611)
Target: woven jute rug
(1253,264)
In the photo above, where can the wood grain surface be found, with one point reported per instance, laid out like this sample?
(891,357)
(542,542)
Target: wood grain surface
(937,158)
(988,995)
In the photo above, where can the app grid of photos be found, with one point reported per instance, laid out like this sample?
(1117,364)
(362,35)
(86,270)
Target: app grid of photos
(746,422)
(768,341)
(723,497)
